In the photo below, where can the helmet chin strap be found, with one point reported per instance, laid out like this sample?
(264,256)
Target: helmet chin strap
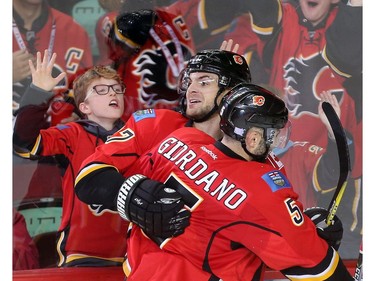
(259,158)
(212,111)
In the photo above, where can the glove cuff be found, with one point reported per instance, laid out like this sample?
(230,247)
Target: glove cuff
(124,194)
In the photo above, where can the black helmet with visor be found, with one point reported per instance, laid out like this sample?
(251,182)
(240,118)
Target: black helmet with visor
(248,105)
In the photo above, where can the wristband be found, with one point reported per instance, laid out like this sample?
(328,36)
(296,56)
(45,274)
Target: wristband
(125,192)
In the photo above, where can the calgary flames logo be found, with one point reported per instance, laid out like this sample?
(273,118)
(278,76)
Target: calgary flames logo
(258,100)
(238,59)
(157,83)
(98,210)
(305,80)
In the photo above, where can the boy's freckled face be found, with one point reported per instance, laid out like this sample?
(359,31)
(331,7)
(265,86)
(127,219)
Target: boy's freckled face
(110,105)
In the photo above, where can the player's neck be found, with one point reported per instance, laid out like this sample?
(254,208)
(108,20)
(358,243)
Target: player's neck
(235,146)
(210,127)
(27,12)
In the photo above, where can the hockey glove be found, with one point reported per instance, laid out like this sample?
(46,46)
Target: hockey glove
(332,233)
(154,207)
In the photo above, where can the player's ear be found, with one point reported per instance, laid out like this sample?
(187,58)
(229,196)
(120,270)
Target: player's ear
(252,138)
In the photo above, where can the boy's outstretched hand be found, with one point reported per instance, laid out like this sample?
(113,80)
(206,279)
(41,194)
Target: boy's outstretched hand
(42,73)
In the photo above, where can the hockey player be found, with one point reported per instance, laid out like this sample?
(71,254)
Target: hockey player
(310,47)
(244,213)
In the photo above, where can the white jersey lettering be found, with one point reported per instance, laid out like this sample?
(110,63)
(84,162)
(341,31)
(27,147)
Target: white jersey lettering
(198,170)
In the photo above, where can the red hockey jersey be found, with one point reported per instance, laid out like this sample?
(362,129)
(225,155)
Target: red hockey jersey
(88,233)
(300,161)
(62,35)
(243,213)
(96,183)
(143,130)
(298,69)
(150,75)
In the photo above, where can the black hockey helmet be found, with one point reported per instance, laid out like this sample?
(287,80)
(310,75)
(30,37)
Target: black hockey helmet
(231,68)
(248,105)
(133,28)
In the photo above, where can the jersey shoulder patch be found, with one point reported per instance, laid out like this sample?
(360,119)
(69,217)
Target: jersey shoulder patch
(276,180)
(143,114)
(63,126)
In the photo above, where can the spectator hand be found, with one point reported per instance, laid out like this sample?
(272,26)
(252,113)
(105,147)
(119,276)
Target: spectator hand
(356,3)
(21,68)
(155,208)
(42,73)
(328,97)
(227,46)
(332,233)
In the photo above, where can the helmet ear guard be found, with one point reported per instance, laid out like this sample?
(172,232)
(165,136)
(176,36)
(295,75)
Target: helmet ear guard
(248,105)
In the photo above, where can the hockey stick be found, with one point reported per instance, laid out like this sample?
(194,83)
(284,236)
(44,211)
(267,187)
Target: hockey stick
(358,268)
(344,159)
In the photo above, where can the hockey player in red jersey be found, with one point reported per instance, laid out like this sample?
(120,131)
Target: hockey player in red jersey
(244,212)
(88,235)
(207,78)
(312,47)
(304,48)
(149,49)
(293,49)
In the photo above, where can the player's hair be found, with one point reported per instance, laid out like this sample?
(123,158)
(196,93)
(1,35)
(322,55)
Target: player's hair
(230,67)
(248,105)
(81,83)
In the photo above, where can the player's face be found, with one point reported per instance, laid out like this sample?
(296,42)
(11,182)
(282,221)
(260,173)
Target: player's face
(316,10)
(201,93)
(104,101)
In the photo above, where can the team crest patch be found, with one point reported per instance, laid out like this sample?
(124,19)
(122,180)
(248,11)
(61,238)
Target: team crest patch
(276,180)
(62,127)
(238,59)
(142,114)
(258,100)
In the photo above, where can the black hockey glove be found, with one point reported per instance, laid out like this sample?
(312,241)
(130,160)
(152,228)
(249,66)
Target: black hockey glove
(332,233)
(155,208)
